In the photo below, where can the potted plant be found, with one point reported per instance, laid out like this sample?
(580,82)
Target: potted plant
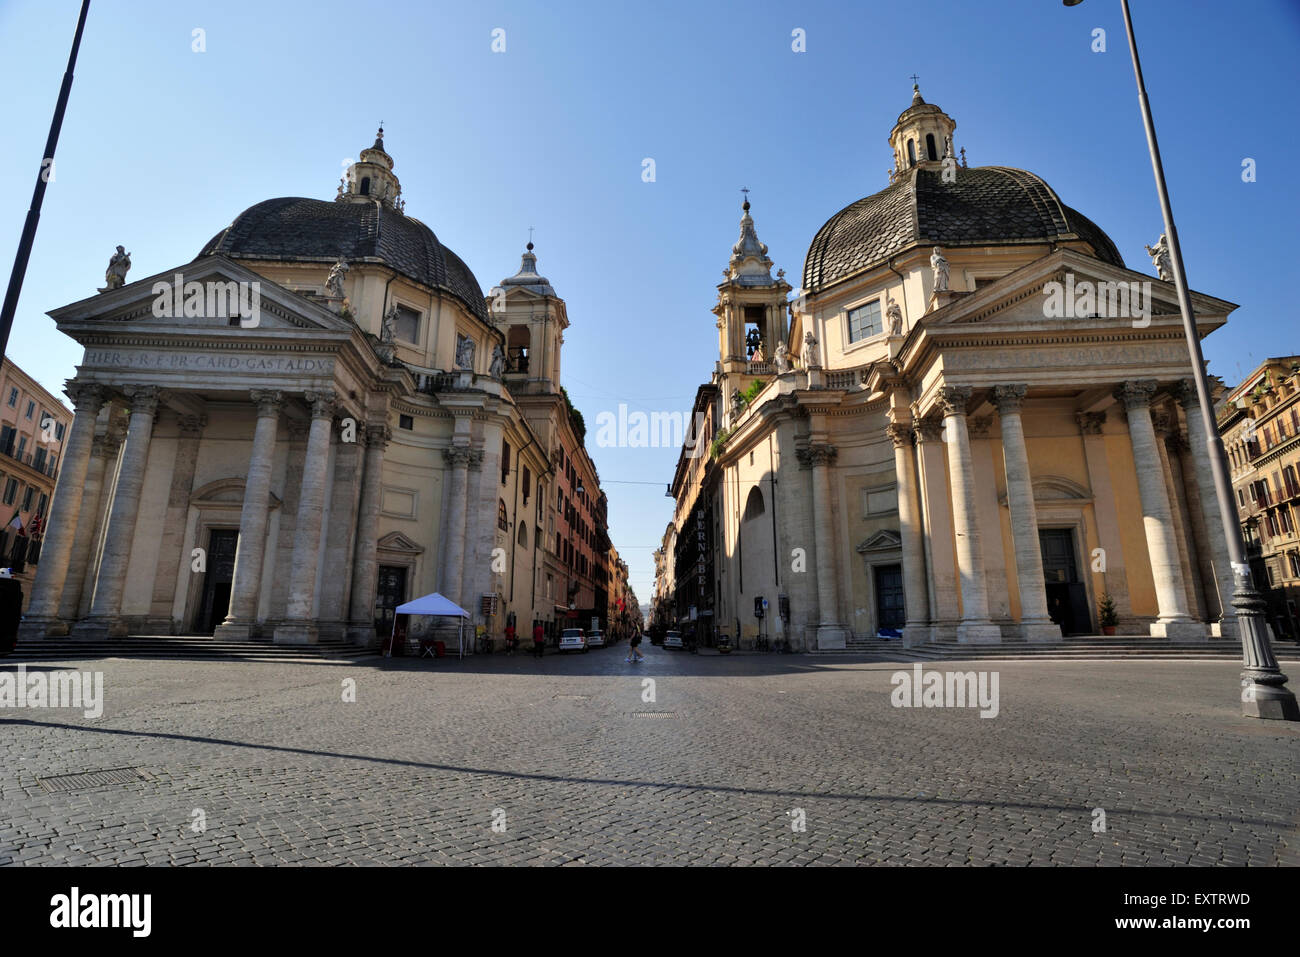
(1107,614)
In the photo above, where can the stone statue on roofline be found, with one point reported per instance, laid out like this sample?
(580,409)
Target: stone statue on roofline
(388,326)
(118,266)
(465,353)
(782,358)
(498,362)
(1160,258)
(940,266)
(811,354)
(334,282)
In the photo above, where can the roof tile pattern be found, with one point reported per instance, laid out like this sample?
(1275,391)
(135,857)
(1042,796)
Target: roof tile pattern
(990,205)
(294,229)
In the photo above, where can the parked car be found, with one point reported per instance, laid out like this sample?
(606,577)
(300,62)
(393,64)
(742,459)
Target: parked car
(573,639)
(595,640)
(673,639)
(656,637)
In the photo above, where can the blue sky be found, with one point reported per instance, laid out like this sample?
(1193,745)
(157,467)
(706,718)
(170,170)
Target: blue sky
(163,146)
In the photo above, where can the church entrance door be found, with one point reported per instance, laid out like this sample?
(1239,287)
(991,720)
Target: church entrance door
(889,597)
(1067,600)
(215,600)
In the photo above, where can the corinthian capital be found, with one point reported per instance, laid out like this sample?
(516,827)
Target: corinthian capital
(87,397)
(378,435)
(815,455)
(322,403)
(1090,423)
(144,398)
(1136,393)
(267,401)
(457,456)
(901,435)
(1009,398)
(953,399)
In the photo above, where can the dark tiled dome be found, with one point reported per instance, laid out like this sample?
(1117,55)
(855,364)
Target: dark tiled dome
(986,206)
(292,229)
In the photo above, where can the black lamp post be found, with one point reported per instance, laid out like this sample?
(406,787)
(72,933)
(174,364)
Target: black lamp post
(1263,686)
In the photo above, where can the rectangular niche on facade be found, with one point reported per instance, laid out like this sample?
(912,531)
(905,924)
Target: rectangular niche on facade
(881,500)
(398,502)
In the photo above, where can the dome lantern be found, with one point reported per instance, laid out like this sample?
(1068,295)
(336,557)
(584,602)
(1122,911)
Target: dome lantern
(921,137)
(371,178)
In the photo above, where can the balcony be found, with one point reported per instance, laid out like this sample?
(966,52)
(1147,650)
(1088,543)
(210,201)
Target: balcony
(44,468)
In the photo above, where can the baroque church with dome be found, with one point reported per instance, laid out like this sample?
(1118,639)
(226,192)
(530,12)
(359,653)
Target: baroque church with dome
(324,418)
(923,442)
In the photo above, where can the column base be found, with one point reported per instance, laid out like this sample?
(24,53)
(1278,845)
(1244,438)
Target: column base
(97,629)
(979,633)
(34,629)
(234,630)
(914,635)
(831,638)
(1227,629)
(1184,630)
(1040,630)
(363,634)
(296,633)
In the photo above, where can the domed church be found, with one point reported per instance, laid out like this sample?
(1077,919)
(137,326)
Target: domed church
(971,424)
(300,429)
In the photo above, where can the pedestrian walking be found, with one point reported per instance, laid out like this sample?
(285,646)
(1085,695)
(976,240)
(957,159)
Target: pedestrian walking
(539,640)
(633,654)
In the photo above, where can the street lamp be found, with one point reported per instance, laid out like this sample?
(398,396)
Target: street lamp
(1263,686)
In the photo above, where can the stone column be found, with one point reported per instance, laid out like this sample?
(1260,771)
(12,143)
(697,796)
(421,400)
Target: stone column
(1113,571)
(103,451)
(287,517)
(817,458)
(976,626)
(299,627)
(1035,623)
(912,536)
(1166,430)
(173,530)
(1211,516)
(936,509)
(106,606)
(453,556)
(245,585)
(365,565)
(65,515)
(1171,599)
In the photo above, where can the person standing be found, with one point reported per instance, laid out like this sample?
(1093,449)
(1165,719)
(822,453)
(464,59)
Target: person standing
(539,640)
(510,639)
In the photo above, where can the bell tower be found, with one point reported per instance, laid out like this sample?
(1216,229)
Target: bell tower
(526,308)
(922,137)
(751,309)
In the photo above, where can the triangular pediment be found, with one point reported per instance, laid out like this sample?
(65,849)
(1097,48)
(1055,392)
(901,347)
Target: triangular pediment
(397,542)
(210,291)
(883,540)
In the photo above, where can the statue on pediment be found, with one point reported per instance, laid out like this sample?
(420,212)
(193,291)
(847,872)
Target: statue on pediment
(811,354)
(782,358)
(334,282)
(118,266)
(1160,258)
(498,362)
(387,329)
(464,353)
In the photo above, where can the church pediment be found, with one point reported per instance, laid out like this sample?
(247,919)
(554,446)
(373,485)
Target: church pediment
(397,542)
(882,541)
(225,493)
(213,292)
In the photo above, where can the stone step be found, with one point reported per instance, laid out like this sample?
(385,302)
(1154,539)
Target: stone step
(184,646)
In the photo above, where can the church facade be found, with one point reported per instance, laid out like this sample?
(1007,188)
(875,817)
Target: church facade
(300,429)
(972,423)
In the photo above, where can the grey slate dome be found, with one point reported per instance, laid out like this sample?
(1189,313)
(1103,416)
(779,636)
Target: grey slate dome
(986,206)
(294,229)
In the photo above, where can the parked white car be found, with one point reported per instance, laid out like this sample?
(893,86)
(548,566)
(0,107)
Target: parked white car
(573,639)
(595,640)
(673,639)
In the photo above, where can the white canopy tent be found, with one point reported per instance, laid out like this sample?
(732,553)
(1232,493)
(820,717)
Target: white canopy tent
(433,605)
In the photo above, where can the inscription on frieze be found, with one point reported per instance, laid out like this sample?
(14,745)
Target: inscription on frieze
(207,362)
(1076,357)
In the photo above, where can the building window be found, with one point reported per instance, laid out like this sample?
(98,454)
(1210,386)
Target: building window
(11,491)
(22,446)
(38,460)
(27,498)
(1294,559)
(406,422)
(754,504)
(528,482)
(930,147)
(502,522)
(365,186)
(865,321)
(45,501)
(505,461)
(31,409)
(406,324)
(7,435)
(58,431)
(911,152)
(523,534)
(13,398)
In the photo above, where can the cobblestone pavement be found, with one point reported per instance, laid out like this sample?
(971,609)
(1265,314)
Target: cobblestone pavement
(284,771)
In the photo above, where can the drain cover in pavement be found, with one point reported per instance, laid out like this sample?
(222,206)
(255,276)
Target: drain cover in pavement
(91,779)
(652,714)
(573,697)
